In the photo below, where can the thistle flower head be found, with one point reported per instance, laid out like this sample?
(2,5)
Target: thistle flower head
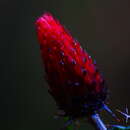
(74,80)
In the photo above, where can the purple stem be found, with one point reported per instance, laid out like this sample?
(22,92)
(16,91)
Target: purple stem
(97,122)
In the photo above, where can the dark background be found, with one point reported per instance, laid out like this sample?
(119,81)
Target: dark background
(102,27)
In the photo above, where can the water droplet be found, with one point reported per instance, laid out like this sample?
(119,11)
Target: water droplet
(73,50)
(73,62)
(89,57)
(75,41)
(84,60)
(76,83)
(62,53)
(84,71)
(61,63)
(94,62)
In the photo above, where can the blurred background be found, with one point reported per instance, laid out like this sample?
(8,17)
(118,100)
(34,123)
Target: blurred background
(102,27)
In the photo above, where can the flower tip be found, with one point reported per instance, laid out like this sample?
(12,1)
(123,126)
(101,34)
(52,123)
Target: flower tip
(45,16)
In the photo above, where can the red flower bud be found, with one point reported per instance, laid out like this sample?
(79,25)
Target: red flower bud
(73,78)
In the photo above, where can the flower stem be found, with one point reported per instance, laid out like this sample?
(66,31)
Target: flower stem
(97,122)
(94,119)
